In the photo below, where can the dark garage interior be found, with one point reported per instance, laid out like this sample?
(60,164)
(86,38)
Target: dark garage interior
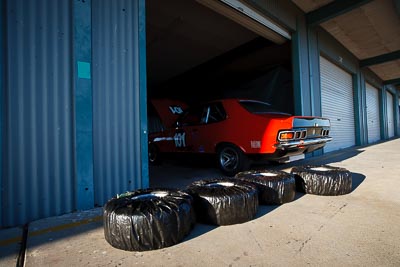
(196,54)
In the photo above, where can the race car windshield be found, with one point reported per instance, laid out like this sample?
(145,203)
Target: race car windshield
(258,107)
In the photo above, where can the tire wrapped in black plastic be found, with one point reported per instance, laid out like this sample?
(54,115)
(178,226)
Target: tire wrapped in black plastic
(322,180)
(274,187)
(148,219)
(224,201)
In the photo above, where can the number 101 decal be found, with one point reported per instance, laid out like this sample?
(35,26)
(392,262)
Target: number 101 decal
(180,139)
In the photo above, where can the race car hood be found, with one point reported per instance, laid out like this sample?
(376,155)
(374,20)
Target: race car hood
(168,110)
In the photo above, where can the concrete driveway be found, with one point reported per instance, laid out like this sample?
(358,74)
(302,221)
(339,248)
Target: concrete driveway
(358,229)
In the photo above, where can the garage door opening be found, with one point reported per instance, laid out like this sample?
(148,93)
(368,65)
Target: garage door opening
(195,54)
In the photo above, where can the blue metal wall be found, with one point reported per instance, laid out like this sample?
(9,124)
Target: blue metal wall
(73,104)
(2,86)
(119,98)
(38,176)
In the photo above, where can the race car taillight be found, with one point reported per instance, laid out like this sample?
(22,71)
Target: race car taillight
(292,135)
(286,135)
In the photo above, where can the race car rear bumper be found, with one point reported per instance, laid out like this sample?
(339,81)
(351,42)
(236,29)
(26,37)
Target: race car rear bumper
(307,144)
(284,150)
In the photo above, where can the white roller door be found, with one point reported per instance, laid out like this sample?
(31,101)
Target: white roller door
(373,121)
(337,104)
(390,114)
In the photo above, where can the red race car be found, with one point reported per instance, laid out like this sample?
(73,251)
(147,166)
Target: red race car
(236,130)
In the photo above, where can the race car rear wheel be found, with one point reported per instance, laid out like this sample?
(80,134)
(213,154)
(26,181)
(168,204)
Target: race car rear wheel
(232,159)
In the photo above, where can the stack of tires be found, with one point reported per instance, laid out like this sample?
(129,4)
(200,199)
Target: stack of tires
(157,218)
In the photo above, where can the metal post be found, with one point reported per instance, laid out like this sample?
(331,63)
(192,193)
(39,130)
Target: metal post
(297,72)
(396,112)
(83,119)
(2,89)
(143,93)
(360,110)
(384,120)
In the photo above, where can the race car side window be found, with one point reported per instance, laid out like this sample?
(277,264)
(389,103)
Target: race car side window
(216,113)
(204,114)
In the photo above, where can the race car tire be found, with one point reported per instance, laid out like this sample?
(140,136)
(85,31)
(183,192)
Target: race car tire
(231,159)
(274,187)
(148,219)
(323,180)
(224,201)
(154,155)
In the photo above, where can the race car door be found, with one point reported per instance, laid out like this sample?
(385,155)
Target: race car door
(198,127)
(186,132)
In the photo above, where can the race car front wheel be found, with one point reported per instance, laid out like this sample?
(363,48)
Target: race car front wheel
(154,155)
(232,159)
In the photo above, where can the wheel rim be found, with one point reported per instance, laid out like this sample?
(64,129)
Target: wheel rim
(228,159)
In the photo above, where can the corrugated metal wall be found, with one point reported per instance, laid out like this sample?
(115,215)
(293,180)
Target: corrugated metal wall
(38,172)
(116,107)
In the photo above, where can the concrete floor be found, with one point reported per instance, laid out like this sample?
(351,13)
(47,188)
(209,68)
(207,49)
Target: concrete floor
(358,229)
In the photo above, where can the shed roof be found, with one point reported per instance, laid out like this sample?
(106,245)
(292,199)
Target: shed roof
(368,29)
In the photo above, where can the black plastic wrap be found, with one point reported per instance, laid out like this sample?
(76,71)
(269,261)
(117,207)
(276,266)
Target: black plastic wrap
(224,201)
(323,180)
(274,187)
(148,219)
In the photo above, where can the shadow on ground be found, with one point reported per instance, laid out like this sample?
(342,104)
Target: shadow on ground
(201,228)
(357,179)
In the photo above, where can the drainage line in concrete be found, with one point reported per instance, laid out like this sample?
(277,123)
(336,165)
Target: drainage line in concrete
(21,256)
